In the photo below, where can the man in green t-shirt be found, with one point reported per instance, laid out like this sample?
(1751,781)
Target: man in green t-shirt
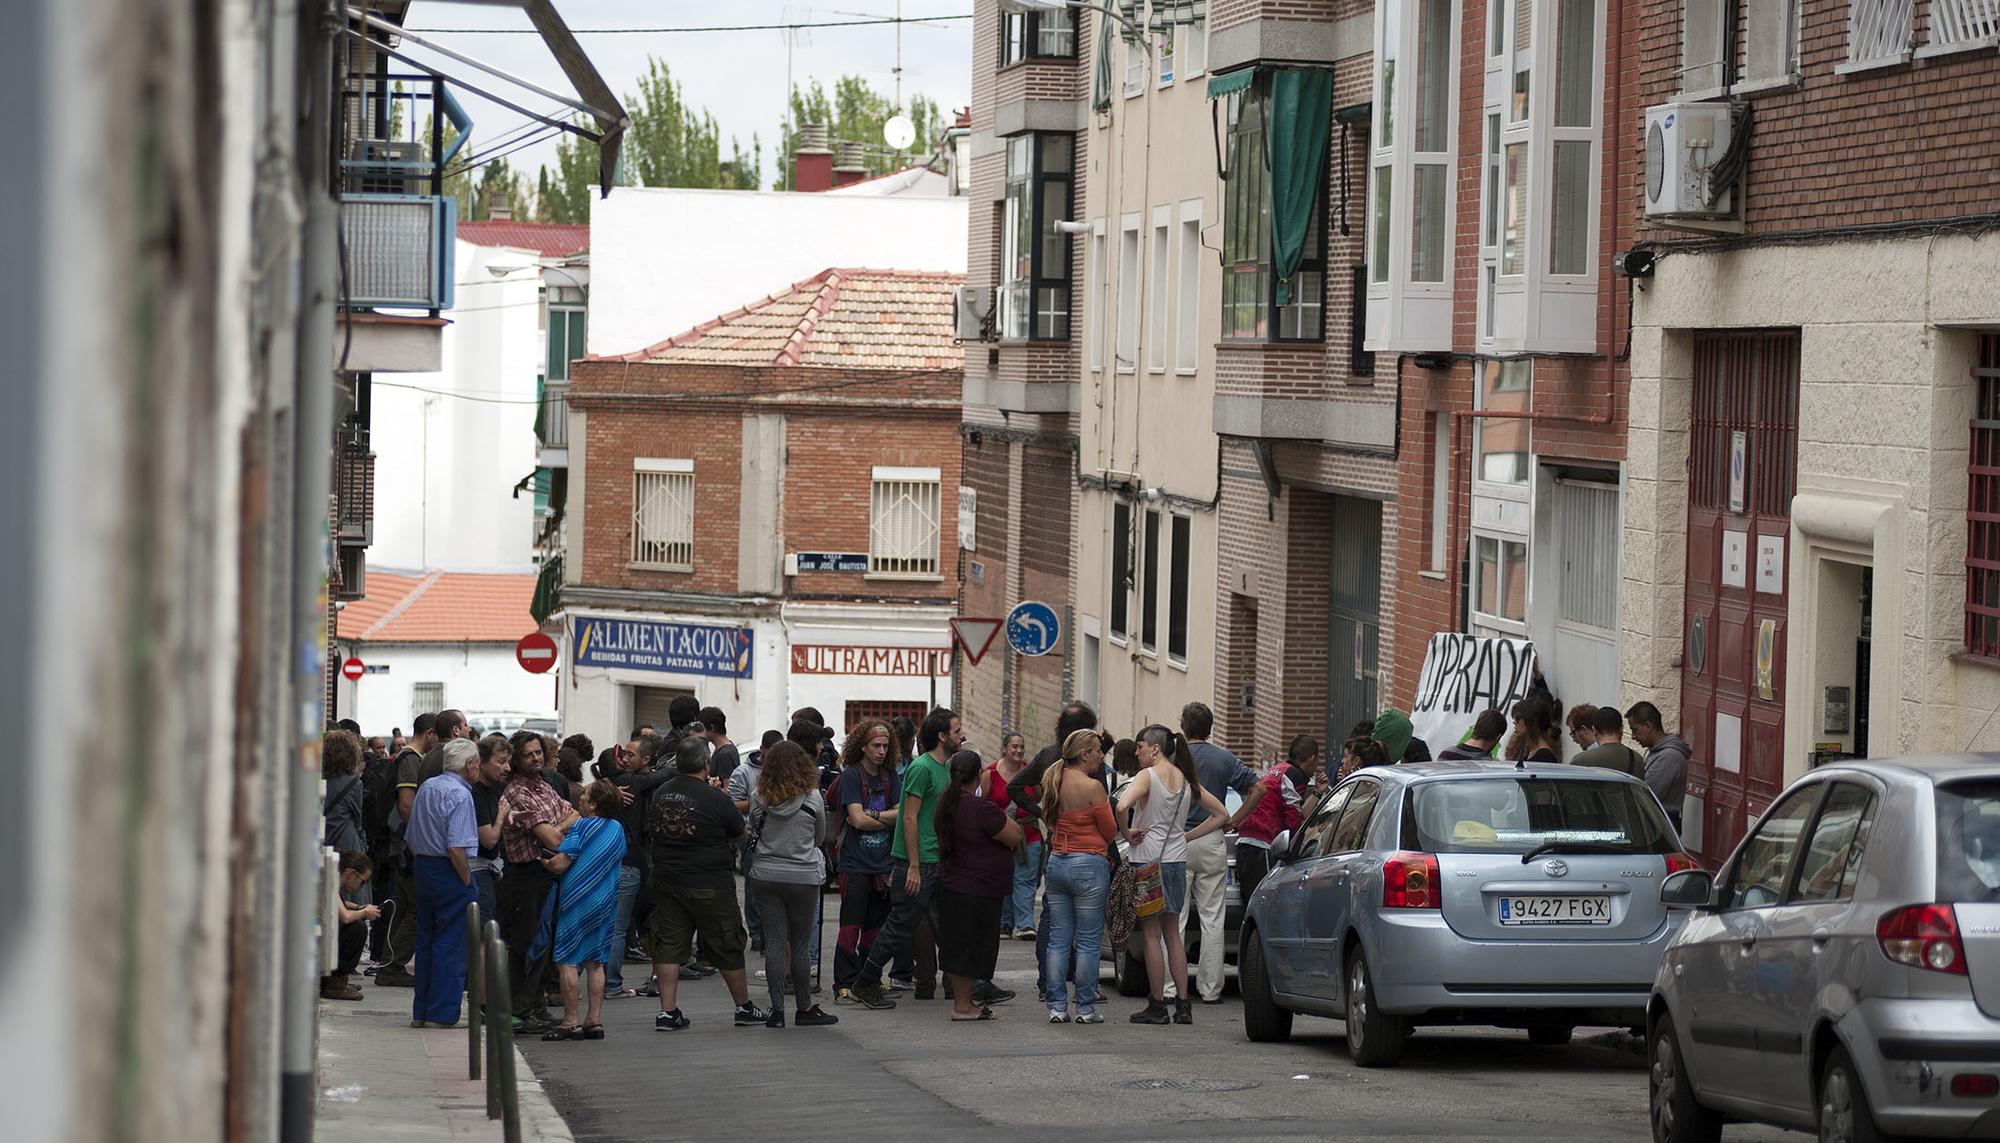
(911,883)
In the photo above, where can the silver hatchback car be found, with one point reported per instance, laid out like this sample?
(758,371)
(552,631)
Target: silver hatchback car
(1842,971)
(1463,893)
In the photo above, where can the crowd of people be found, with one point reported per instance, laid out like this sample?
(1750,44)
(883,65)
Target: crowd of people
(589,860)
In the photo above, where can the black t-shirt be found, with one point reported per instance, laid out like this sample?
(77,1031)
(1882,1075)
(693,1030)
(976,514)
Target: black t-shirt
(723,761)
(486,812)
(979,865)
(633,817)
(695,828)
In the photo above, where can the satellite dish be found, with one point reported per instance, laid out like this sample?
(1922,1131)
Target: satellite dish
(899,132)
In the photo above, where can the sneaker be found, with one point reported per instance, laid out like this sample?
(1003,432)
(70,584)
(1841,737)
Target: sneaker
(693,970)
(870,996)
(531,1025)
(991,994)
(670,1021)
(619,994)
(651,987)
(775,1020)
(816,1017)
(1183,1012)
(1058,1016)
(1153,1013)
(749,1015)
(901,984)
(1006,931)
(1088,1015)
(394,978)
(636,955)
(1024,934)
(843,996)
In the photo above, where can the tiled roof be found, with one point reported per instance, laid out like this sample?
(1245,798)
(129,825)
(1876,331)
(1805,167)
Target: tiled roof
(440,607)
(855,319)
(549,239)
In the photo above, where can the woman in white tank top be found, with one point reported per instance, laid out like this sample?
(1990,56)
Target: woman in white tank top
(1158,801)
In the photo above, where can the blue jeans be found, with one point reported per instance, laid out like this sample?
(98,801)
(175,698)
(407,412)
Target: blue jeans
(1078,884)
(486,883)
(753,919)
(628,892)
(1020,912)
(440,930)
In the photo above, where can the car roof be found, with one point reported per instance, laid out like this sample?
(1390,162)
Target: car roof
(1933,767)
(1408,772)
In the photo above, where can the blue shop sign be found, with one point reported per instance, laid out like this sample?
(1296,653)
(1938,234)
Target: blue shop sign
(676,648)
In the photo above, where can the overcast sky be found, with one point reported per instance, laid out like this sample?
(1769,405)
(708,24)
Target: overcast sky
(737,76)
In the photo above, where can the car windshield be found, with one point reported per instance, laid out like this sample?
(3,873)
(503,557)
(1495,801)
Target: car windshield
(1515,815)
(1968,830)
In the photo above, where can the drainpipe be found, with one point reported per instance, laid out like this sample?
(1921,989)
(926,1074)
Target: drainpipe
(313,438)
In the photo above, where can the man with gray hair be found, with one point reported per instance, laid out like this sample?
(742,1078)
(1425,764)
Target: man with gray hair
(443,834)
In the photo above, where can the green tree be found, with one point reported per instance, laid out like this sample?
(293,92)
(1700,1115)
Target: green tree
(474,186)
(854,113)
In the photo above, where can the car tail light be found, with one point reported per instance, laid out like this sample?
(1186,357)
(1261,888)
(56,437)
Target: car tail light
(1975,1085)
(1923,936)
(1681,862)
(1410,881)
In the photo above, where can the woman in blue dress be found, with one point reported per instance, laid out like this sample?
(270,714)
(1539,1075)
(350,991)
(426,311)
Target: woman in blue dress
(586,909)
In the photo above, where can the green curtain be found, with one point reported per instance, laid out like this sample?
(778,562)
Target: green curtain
(1300,109)
(541,409)
(1102,96)
(548,591)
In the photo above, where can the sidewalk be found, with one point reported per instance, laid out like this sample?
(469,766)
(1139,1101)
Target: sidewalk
(381,1080)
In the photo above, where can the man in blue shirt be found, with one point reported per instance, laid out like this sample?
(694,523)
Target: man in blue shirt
(442,835)
(1208,856)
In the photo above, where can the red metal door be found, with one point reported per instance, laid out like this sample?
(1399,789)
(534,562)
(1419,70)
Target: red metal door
(1742,472)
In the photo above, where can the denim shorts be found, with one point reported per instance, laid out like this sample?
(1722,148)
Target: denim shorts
(1173,880)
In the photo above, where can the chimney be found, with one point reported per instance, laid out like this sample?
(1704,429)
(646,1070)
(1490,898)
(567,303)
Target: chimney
(812,163)
(850,164)
(498,207)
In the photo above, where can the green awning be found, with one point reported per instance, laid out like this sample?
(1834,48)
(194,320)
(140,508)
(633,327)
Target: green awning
(548,590)
(1301,105)
(1231,82)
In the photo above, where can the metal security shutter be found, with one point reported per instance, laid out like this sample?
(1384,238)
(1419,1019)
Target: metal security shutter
(1587,526)
(649,706)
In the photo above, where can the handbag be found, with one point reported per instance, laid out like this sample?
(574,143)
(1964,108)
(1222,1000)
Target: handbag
(1149,891)
(1119,919)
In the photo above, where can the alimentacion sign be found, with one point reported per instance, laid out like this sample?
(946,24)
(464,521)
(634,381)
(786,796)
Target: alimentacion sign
(675,648)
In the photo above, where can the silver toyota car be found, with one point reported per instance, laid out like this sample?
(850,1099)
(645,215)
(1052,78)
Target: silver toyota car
(1842,971)
(1463,893)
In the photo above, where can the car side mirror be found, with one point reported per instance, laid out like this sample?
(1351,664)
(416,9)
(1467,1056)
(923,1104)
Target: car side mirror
(1281,847)
(1689,889)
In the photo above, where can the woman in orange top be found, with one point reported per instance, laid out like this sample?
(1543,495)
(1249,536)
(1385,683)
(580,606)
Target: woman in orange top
(1079,873)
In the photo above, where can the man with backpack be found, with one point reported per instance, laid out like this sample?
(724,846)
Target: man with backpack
(408,775)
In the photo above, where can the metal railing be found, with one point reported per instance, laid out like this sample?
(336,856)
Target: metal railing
(354,487)
(486,1001)
(554,421)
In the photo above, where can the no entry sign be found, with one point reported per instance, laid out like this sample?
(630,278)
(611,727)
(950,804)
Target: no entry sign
(535,652)
(352,670)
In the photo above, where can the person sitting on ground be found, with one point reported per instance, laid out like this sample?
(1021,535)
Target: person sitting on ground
(1478,746)
(587,862)
(355,913)
(976,844)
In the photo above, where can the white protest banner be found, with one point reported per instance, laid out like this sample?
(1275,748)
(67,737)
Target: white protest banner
(1463,675)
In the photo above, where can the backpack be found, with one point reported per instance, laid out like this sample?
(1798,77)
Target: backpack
(378,801)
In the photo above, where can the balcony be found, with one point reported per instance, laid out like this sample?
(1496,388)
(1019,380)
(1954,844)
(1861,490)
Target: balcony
(354,496)
(552,425)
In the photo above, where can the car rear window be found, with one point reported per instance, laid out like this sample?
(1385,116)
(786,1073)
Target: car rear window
(1515,815)
(1968,830)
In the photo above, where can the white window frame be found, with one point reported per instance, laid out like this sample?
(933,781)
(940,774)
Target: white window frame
(1098,279)
(1193,61)
(1880,33)
(654,476)
(1492,622)
(1501,490)
(1187,335)
(1405,314)
(1136,54)
(1441,451)
(914,554)
(1165,69)
(1125,349)
(1963,29)
(1159,319)
(1524,305)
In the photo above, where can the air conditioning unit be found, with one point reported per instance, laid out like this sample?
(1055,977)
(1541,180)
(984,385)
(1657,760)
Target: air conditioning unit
(975,313)
(386,166)
(1686,143)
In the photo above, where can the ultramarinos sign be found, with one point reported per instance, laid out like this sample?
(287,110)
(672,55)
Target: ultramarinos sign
(908,662)
(1464,675)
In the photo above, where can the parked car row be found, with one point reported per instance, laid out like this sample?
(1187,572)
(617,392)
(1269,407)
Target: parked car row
(1841,972)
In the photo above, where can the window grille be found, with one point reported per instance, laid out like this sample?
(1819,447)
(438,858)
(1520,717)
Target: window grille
(1878,30)
(425,698)
(663,513)
(903,528)
(1964,21)
(1587,515)
(1982,508)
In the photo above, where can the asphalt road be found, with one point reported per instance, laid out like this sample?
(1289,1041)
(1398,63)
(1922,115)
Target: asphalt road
(911,1074)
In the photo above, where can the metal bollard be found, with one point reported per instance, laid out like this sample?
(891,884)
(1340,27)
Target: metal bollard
(474,962)
(498,1014)
(503,1049)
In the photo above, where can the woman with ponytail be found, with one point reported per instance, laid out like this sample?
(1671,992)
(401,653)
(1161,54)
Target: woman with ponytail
(975,873)
(1079,874)
(1158,802)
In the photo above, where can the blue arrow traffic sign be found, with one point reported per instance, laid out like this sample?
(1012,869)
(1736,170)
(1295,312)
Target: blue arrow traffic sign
(1033,628)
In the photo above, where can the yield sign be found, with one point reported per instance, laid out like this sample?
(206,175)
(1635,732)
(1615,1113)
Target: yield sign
(975,635)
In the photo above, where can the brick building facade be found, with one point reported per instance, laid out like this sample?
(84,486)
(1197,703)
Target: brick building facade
(787,474)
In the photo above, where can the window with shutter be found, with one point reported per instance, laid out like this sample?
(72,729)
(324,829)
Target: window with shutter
(903,525)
